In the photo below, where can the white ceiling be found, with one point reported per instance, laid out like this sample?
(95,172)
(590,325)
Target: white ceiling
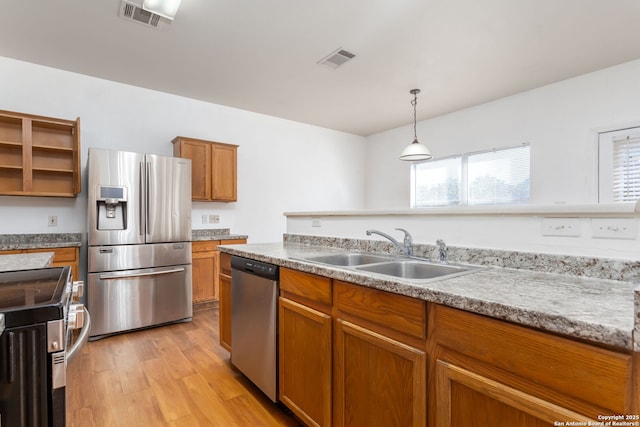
(262,56)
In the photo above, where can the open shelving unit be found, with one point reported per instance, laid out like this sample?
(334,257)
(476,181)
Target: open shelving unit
(39,156)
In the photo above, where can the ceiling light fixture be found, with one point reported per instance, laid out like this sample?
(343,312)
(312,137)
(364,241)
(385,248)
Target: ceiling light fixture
(415,150)
(164,8)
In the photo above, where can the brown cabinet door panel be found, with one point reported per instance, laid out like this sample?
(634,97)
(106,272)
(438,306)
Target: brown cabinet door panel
(378,381)
(305,362)
(464,398)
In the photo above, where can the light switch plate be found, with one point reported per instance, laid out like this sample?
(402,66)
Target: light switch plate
(614,228)
(566,227)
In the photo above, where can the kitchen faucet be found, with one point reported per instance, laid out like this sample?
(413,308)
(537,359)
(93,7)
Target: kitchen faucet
(442,249)
(405,246)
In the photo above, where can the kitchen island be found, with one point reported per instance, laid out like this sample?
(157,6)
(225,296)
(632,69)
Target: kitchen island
(541,347)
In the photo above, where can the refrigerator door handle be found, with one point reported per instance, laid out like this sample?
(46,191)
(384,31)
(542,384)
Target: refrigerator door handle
(140,199)
(111,276)
(148,190)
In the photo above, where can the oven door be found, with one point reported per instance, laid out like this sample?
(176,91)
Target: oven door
(24,391)
(131,299)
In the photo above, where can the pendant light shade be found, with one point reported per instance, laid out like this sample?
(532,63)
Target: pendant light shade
(415,150)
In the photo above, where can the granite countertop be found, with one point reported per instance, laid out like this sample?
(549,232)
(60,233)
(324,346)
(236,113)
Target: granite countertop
(16,262)
(215,234)
(596,310)
(39,241)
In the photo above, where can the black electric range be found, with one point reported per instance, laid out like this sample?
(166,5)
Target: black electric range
(35,306)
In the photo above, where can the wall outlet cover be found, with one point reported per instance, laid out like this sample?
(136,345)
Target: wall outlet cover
(614,228)
(565,227)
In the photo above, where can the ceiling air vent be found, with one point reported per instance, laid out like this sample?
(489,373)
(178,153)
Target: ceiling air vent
(134,12)
(337,58)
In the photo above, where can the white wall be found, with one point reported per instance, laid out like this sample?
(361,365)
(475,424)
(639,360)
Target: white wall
(559,121)
(282,165)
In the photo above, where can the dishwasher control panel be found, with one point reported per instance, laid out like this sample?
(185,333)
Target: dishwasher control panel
(257,268)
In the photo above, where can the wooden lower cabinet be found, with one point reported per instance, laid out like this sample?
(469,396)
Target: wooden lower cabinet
(343,361)
(399,361)
(492,373)
(304,343)
(205,264)
(378,381)
(225,301)
(62,257)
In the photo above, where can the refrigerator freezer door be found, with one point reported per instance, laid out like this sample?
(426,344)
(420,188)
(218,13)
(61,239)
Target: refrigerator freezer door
(124,300)
(168,199)
(115,169)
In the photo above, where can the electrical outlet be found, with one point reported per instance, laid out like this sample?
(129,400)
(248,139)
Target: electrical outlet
(315,222)
(214,219)
(614,228)
(205,219)
(52,221)
(565,227)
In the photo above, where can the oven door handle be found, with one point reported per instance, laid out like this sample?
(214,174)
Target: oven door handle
(82,338)
(146,273)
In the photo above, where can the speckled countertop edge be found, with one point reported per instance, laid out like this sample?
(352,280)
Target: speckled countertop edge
(214,234)
(596,310)
(43,240)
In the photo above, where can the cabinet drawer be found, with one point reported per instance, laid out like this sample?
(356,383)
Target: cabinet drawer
(572,368)
(61,254)
(204,245)
(306,288)
(233,242)
(382,311)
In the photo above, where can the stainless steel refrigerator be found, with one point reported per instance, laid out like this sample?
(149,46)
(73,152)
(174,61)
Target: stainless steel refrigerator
(139,240)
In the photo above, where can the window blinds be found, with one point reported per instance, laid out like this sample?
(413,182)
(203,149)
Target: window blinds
(626,169)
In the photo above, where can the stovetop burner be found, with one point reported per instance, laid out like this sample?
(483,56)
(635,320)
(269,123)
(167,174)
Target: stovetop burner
(33,295)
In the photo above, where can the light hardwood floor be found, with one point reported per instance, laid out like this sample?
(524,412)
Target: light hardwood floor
(176,375)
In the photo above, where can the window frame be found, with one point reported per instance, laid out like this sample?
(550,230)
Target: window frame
(605,149)
(463,199)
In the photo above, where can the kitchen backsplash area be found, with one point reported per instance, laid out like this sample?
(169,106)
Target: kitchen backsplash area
(600,268)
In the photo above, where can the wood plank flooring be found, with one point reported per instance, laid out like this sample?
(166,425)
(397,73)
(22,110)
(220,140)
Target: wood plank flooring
(174,376)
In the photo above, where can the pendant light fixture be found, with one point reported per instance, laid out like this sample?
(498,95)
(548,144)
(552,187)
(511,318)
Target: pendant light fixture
(415,150)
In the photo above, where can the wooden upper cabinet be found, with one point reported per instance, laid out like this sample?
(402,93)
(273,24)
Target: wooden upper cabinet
(39,156)
(213,168)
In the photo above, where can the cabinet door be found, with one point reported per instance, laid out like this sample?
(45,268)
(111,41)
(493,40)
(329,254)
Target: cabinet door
(225,309)
(203,264)
(305,362)
(200,155)
(223,172)
(378,381)
(465,398)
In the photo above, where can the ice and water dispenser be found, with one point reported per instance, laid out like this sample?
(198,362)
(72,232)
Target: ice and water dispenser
(112,208)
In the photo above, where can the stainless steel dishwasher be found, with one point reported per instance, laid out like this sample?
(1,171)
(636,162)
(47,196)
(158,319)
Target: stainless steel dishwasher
(254,324)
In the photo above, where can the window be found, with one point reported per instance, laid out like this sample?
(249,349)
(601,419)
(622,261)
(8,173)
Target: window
(500,176)
(619,166)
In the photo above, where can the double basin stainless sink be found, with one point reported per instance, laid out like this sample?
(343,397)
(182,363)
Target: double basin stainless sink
(409,268)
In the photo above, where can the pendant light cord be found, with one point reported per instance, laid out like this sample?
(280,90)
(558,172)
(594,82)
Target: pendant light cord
(414,102)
